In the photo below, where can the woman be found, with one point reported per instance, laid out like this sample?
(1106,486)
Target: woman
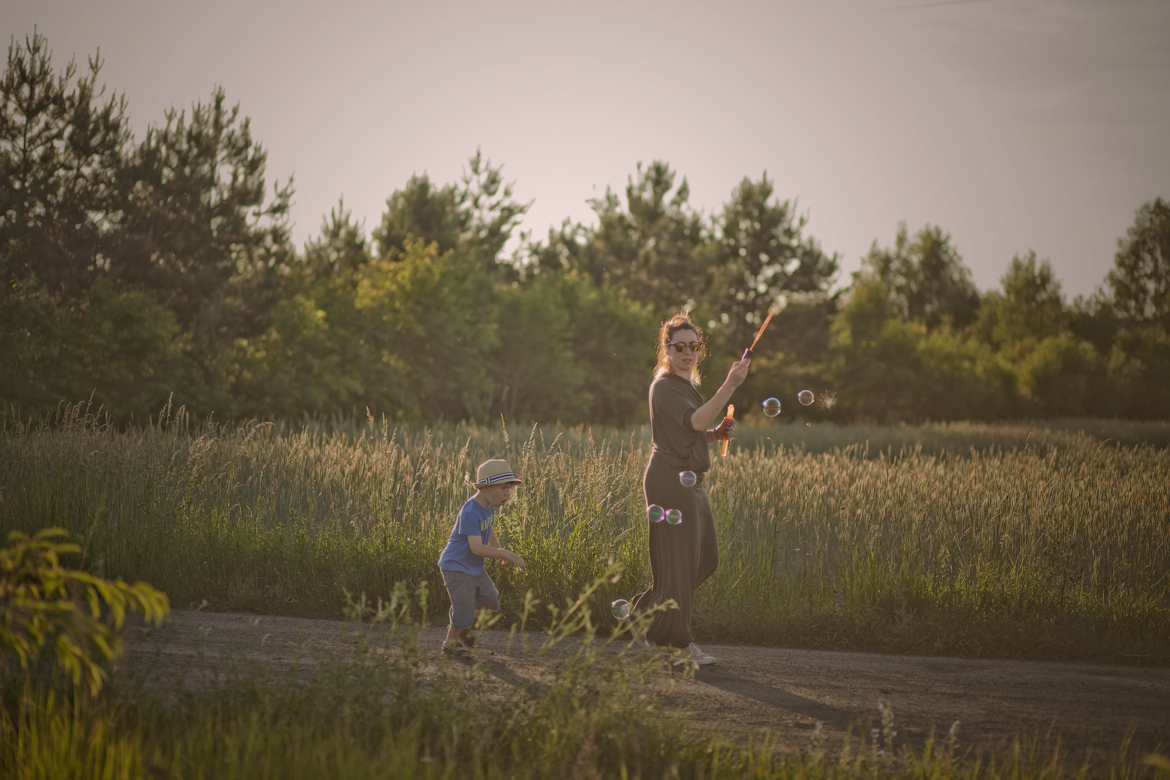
(682,556)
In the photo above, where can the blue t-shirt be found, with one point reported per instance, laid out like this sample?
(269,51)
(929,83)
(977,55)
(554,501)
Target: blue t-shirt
(457,555)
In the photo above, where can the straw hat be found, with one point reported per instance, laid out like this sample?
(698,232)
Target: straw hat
(494,472)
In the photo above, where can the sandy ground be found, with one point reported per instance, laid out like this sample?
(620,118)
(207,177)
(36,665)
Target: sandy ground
(753,691)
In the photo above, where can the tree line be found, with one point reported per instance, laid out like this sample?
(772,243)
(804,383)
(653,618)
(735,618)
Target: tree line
(137,269)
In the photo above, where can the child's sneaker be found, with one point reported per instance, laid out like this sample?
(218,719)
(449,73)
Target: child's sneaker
(694,655)
(466,639)
(455,651)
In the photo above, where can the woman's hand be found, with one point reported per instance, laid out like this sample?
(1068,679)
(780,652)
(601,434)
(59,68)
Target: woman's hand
(738,373)
(724,429)
(706,414)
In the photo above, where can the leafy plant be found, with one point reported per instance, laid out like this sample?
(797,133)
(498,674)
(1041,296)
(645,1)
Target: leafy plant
(42,603)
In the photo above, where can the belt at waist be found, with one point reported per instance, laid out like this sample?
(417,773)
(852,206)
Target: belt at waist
(660,460)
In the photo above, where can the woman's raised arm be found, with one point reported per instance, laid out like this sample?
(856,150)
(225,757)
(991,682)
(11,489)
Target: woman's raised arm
(707,413)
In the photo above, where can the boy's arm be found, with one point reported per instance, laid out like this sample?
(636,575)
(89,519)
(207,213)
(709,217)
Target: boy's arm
(484,551)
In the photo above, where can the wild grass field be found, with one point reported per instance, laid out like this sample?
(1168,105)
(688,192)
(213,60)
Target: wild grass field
(1040,540)
(1043,540)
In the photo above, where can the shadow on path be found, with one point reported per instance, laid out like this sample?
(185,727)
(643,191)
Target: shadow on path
(501,672)
(775,697)
(833,717)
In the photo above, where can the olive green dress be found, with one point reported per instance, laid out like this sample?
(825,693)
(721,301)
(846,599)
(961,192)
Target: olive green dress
(682,556)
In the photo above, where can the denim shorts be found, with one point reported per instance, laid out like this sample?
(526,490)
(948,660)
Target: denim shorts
(469,593)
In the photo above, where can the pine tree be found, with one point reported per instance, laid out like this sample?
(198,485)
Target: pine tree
(62,146)
(1141,278)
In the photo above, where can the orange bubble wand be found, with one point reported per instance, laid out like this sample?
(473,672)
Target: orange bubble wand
(724,444)
(747,353)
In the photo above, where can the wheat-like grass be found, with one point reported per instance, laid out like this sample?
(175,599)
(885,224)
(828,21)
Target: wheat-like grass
(1024,540)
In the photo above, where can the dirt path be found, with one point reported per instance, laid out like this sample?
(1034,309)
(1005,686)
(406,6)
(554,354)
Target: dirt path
(755,689)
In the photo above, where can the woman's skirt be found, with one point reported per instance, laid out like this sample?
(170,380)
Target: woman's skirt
(682,556)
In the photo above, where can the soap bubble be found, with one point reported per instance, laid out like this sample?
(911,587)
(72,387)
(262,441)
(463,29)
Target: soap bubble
(673,516)
(621,609)
(805,397)
(772,407)
(687,478)
(655,513)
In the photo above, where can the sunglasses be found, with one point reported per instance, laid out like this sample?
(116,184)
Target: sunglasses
(681,346)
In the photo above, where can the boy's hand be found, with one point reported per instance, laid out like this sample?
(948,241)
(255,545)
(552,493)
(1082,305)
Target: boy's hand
(516,559)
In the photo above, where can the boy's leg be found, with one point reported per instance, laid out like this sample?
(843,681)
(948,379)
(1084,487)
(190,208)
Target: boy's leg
(461,590)
(486,597)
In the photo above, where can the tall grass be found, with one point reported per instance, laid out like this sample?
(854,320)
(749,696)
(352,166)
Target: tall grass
(1015,540)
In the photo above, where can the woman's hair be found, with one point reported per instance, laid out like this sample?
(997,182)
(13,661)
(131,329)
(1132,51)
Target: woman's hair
(680,321)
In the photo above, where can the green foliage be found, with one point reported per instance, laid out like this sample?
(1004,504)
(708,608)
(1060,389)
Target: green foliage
(296,367)
(431,335)
(32,345)
(1026,354)
(62,146)
(134,270)
(474,219)
(1056,376)
(1030,307)
(341,247)
(43,605)
(571,351)
(1139,365)
(764,259)
(655,249)
(128,269)
(1141,278)
(538,370)
(887,368)
(613,338)
(926,278)
(439,324)
(120,347)
(199,229)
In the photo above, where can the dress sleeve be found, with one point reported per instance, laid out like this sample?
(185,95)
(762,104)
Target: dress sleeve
(671,404)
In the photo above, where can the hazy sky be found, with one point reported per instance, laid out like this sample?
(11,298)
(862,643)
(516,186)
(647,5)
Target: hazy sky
(1012,124)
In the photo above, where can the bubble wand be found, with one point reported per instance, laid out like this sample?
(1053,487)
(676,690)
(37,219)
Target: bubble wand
(724,444)
(747,353)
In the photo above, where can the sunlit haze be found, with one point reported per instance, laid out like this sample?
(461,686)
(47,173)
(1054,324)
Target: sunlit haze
(1013,125)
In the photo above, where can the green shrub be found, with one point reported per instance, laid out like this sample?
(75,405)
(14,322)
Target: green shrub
(77,614)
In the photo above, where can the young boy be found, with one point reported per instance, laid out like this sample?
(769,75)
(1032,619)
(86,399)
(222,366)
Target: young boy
(472,539)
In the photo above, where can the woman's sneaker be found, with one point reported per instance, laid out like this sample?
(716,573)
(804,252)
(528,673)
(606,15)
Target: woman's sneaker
(694,655)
